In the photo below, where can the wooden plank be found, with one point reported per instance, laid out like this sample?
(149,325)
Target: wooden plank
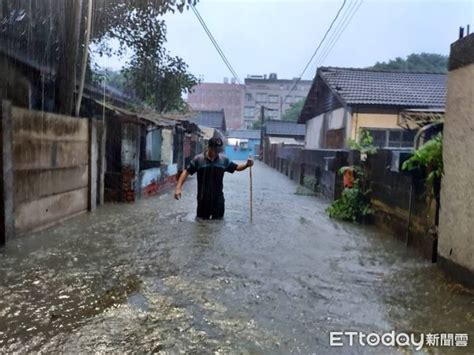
(48,126)
(37,154)
(34,184)
(47,210)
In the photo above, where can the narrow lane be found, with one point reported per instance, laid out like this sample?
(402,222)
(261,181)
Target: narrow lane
(149,277)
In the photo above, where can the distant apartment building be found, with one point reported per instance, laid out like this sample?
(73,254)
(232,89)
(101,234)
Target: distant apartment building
(227,96)
(271,92)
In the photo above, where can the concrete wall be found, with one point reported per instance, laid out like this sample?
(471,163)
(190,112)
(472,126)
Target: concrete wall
(456,227)
(314,128)
(50,160)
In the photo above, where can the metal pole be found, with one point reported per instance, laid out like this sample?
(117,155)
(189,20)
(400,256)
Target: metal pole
(251,195)
(410,208)
(262,118)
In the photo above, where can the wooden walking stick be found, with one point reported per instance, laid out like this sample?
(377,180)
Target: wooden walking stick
(251,195)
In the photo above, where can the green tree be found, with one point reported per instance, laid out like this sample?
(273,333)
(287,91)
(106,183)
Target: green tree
(430,157)
(116,79)
(52,33)
(293,113)
(423,62)
(257,125)
(155,76)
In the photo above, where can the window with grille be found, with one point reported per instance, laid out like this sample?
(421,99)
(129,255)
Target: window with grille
(392,138)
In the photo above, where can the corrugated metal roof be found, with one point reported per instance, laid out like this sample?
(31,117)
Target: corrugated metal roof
(371,87)
(144,117)
(284,128)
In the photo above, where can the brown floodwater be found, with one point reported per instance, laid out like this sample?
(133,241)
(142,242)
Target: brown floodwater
(148,277)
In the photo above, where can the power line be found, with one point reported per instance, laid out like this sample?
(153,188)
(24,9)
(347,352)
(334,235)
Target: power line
(316,51)
(216,45)
(343,28)
(334,34)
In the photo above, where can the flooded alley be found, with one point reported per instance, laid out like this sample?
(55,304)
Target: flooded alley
(147,277)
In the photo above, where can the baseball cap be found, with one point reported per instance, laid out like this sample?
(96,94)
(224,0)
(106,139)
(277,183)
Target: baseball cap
(215,142)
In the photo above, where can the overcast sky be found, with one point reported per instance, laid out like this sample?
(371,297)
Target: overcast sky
(263,36)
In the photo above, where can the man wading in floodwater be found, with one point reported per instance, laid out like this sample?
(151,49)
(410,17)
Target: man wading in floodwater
(210,167)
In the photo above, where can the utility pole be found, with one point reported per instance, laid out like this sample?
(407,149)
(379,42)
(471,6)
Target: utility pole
(262,123)
(262,119)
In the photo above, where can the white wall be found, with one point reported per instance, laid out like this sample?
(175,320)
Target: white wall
(313,132)
(335,120)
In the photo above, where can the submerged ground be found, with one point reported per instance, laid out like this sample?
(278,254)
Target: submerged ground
(147,277)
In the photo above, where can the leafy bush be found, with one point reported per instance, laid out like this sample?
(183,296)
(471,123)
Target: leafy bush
(430,157)
(353,205)
(365,144)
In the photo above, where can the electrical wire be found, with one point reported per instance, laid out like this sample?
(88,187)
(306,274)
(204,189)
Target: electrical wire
(316,51)
(214,42)
(332,38)
(345,24)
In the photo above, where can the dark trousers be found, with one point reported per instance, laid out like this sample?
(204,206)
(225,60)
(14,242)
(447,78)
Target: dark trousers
(211,208)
